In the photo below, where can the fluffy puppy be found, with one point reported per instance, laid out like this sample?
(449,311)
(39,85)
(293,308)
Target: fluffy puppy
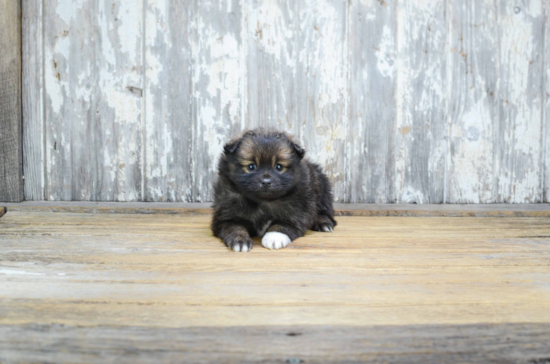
(265,188)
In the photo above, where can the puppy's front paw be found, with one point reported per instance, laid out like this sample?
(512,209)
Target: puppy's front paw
(275,240)
(326,227)
(239,243)
(323,224)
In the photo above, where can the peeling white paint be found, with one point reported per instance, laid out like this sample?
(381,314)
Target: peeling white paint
(68,11)
(130,13)
(386,53)
(53,84)
(472,161)
(295,56)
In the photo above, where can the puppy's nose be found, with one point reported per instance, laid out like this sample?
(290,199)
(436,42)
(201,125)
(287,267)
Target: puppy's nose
(266,182)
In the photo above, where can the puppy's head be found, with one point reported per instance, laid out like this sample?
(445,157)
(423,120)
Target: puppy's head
(264,165)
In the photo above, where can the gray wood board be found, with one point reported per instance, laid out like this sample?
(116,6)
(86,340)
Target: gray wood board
(168,108)
(372,125)
(545,162)
(421,102)
(473,99)
(421,126)
(450,210)
(33,97)
(117,100)
(495,107)
(92,72)
(475,343)
(520,100)
(11,148)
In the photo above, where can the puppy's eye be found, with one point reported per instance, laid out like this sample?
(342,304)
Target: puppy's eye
(278,167)
(252,167)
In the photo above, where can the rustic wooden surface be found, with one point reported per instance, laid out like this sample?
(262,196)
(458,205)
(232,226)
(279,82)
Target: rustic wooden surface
(483,343)
(33,99)
(100,287)
(519,123)
(370,151)
(11,139)
(418,102)
(421,131)
(546,110)
(168,131)
(419,210)
(473,102)
(93,80)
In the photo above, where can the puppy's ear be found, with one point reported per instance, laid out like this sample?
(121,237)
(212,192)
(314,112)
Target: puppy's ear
(298,149)
(232,146)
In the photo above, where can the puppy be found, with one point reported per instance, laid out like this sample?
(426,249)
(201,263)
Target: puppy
(265,188)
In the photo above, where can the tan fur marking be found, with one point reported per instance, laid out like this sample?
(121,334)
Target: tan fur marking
(284,152)
(246,150)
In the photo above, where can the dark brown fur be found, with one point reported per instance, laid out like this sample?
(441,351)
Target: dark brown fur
(292,200)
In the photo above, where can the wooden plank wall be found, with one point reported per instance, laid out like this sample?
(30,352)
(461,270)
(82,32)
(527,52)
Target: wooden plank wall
(431,101)
(11,159)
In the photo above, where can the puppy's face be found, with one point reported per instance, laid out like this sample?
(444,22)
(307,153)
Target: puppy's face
(264,166)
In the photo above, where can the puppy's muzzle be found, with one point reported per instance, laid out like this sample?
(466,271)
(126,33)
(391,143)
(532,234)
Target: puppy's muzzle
(265,183)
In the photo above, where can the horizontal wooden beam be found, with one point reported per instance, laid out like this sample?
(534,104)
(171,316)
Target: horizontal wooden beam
(11,148)
(325,344)
(486,210)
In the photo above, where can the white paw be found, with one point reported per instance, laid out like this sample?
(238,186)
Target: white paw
(275,240)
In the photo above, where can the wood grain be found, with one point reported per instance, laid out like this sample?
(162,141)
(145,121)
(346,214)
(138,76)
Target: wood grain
(518,129)
(93,100)
(118,94)
(169,109)
(169,271)
(483,343)
(420,102)
(11,139)
(33,100)
(372,124)
(421,136)
(155,286)
(340,209)
(473,103)
(546,108)
(70,81)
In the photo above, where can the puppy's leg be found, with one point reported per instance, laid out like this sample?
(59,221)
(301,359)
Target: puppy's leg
(323,223)
(279,236)
(236,237)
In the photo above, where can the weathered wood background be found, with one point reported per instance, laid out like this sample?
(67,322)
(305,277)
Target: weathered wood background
(426,101)
(11,167)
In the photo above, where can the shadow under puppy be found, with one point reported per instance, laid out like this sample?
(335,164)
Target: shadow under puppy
(265,188)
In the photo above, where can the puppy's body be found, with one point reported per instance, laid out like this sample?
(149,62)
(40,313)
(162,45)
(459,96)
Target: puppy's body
(265,188)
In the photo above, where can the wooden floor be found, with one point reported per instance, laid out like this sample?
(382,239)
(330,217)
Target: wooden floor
(81,287)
